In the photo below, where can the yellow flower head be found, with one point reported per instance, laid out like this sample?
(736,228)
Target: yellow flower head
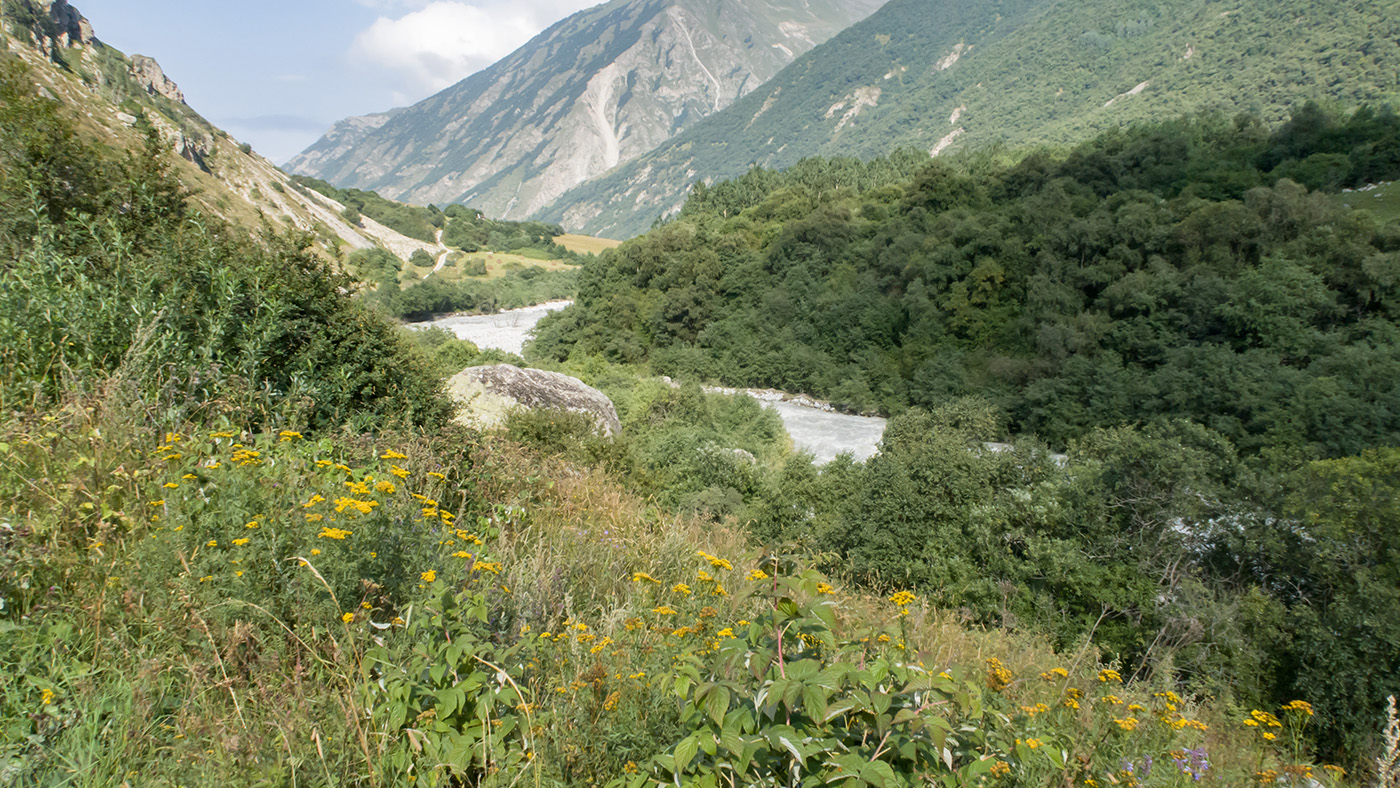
(328,532)
(903,598)
(428,576)
(825,588)
(664,610)
(716,562)
(641,577)
(1106,675)
(390,454)
(288,435)
(756,574)
(998,675)
(681,588)
(399,472)
(348,617)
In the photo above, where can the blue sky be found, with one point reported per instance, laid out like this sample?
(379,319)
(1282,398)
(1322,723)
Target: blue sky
(278,74)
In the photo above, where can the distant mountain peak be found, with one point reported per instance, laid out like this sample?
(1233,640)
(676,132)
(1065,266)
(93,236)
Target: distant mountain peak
(593,91)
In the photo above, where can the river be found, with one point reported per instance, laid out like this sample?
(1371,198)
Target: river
(814,428)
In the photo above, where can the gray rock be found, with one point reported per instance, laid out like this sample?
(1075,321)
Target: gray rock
(487,394)
(152,77)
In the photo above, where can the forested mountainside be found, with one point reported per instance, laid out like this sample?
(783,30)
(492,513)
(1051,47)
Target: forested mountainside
(946,75)
(598,88)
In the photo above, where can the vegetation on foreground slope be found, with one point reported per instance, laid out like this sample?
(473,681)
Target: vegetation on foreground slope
(238,543)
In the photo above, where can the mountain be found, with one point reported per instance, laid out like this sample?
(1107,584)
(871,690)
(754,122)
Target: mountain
(598,88)
(945,75)
(116,100)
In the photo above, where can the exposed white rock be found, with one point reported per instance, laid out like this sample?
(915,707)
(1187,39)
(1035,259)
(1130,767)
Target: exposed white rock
(946,62)
(943,144)
(1140,87)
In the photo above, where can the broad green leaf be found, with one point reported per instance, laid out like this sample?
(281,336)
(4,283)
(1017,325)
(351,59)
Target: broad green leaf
(685,752)
(878,773)
(814,702)
(732,740)
(717,704)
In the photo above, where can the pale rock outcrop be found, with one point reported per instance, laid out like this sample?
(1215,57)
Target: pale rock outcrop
(152,77)
(486,395)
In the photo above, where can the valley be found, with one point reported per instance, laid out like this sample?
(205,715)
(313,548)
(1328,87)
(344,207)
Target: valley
(821,431)
(386,474)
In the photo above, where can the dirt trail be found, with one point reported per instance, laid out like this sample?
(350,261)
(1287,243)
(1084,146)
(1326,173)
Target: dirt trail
(442,256)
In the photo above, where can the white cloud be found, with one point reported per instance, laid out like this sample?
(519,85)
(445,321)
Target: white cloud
(445,40)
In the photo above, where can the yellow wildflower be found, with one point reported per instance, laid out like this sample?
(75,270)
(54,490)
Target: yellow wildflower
(399,472)
(390,454)
(348,617)
(328,532)
(681,588)
(664,610)
(428,576)
(757,574)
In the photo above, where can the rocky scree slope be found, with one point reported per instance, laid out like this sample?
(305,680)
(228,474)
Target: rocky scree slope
(116,99)
(596,89)
(947,75)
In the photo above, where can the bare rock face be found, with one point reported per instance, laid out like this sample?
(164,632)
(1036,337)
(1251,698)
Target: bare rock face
(487,394)
(73,29)
(599,88)
(152,77)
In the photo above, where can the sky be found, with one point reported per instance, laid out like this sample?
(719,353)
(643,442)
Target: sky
(277,75)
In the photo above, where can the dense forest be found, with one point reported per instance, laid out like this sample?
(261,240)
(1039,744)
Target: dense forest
(1180,307)
(1188,269)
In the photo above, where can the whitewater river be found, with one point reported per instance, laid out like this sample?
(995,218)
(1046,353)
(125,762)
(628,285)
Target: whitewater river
(822,432)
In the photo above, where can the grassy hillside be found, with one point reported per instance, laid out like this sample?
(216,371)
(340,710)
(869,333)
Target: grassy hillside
(962,76)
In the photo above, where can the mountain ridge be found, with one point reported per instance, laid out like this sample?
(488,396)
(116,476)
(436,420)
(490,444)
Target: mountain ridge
(117,98)
(588,93)
(943,76)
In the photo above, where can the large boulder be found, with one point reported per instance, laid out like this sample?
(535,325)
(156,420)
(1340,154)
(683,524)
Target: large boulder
(485,396)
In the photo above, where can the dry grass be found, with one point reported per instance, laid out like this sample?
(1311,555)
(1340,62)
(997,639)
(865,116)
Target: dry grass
(585,244)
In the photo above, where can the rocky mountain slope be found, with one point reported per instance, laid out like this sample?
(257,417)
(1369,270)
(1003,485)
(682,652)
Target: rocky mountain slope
(117,99)
(594,90)
(945,75)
